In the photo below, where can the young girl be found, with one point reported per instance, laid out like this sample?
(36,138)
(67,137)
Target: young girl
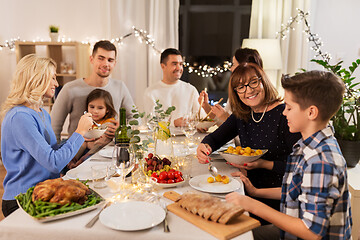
(99,103)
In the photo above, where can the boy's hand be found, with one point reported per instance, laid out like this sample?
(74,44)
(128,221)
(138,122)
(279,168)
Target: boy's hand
(250,189)
(240,200)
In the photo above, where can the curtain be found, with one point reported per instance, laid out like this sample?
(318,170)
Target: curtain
(267,16)
(138,65)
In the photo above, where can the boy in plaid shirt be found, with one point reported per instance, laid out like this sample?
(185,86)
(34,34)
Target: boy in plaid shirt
(315,201)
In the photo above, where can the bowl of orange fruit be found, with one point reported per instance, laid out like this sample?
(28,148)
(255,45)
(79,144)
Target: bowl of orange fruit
(241,155)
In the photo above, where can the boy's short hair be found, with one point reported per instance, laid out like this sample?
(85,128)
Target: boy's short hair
(104,44)
(319,88)
(167,52)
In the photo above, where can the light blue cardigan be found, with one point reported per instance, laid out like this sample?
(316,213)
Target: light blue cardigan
(29,150)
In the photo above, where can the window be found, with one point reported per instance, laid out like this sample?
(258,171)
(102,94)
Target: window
(210,32)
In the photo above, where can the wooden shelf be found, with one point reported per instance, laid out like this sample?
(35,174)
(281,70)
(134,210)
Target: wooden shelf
(80,52)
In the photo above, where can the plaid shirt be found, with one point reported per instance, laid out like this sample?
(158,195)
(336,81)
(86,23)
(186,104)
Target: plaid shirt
(315,187)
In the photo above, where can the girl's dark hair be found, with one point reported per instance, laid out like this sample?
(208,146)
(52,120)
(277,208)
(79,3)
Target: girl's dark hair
(248,55)
(240,76)
(100,93)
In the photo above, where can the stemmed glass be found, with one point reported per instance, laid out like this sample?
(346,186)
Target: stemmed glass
(124,160)
(189,129)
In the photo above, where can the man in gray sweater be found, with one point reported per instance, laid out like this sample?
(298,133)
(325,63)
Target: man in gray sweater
(72,97)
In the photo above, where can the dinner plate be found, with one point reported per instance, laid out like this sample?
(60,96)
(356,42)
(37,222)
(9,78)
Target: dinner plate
(200,183)
(169,185)
(106,152)
(81,174)
(132,215)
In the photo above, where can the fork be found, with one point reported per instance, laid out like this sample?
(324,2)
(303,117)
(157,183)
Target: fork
(166,225)
(96,217)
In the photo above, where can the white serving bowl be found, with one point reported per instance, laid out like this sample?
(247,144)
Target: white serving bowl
(205,124)
(240,159)
(94,133)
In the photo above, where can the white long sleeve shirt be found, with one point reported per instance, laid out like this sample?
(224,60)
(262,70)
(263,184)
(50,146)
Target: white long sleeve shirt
(182,95)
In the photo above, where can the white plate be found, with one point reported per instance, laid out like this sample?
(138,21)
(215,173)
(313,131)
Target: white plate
(106,152)
(176,131)
(200,183)
(132,215)
(169,185)
(78,173)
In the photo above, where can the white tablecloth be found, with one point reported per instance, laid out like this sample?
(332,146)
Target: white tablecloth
(19,225)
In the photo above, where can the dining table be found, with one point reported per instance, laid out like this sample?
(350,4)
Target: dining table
(20,225)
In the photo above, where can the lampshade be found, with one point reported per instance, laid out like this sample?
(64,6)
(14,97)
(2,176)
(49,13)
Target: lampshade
(269,50)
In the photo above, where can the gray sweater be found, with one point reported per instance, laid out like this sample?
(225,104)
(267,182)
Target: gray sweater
(72,100)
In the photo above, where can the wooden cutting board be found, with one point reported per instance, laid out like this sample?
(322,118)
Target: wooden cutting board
(236,227)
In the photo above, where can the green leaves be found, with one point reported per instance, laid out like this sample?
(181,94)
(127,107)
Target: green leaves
(346,120)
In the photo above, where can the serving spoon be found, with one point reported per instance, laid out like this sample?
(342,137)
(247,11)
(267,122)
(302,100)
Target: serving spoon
(212,169)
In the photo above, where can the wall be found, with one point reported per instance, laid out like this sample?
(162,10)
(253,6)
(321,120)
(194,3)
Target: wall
(30,20)
(336,23)
(333,20)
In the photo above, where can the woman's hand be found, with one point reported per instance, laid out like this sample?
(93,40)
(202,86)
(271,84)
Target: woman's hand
(85,124)
(202,152)
(260,163)
(250,189)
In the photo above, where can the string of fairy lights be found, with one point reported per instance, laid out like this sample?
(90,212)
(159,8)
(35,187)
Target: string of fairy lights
(313,38)
(143,37)
(206,70)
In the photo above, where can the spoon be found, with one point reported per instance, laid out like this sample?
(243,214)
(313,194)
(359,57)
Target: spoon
(97,124)
(212,169)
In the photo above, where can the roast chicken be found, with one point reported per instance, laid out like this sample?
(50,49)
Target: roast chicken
(209,207)
(61,191)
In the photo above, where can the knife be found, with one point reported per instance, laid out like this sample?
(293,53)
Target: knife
(100,160)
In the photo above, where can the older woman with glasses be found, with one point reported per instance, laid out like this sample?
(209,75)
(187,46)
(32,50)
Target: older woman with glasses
(257,119)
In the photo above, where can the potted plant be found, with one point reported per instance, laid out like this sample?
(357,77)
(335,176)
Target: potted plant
(346,121)
(54,33)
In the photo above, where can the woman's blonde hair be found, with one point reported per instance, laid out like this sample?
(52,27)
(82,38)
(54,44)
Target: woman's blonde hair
(241,75)
(31,80)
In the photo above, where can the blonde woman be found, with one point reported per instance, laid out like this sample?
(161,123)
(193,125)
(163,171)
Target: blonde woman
(29,150)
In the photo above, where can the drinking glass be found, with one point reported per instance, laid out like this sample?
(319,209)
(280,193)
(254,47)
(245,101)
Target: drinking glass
(123,159)
(98,173)
(189,129)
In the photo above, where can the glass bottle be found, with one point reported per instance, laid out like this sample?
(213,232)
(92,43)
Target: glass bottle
(122,156)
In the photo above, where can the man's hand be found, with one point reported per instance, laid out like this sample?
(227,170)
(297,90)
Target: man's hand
(220,112)
(180,122)
(111,128)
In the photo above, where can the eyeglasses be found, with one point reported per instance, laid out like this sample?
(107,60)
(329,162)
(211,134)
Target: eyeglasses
(254,83)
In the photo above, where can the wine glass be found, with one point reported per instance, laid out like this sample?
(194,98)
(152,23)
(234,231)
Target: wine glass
(189,128)
(124,160)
